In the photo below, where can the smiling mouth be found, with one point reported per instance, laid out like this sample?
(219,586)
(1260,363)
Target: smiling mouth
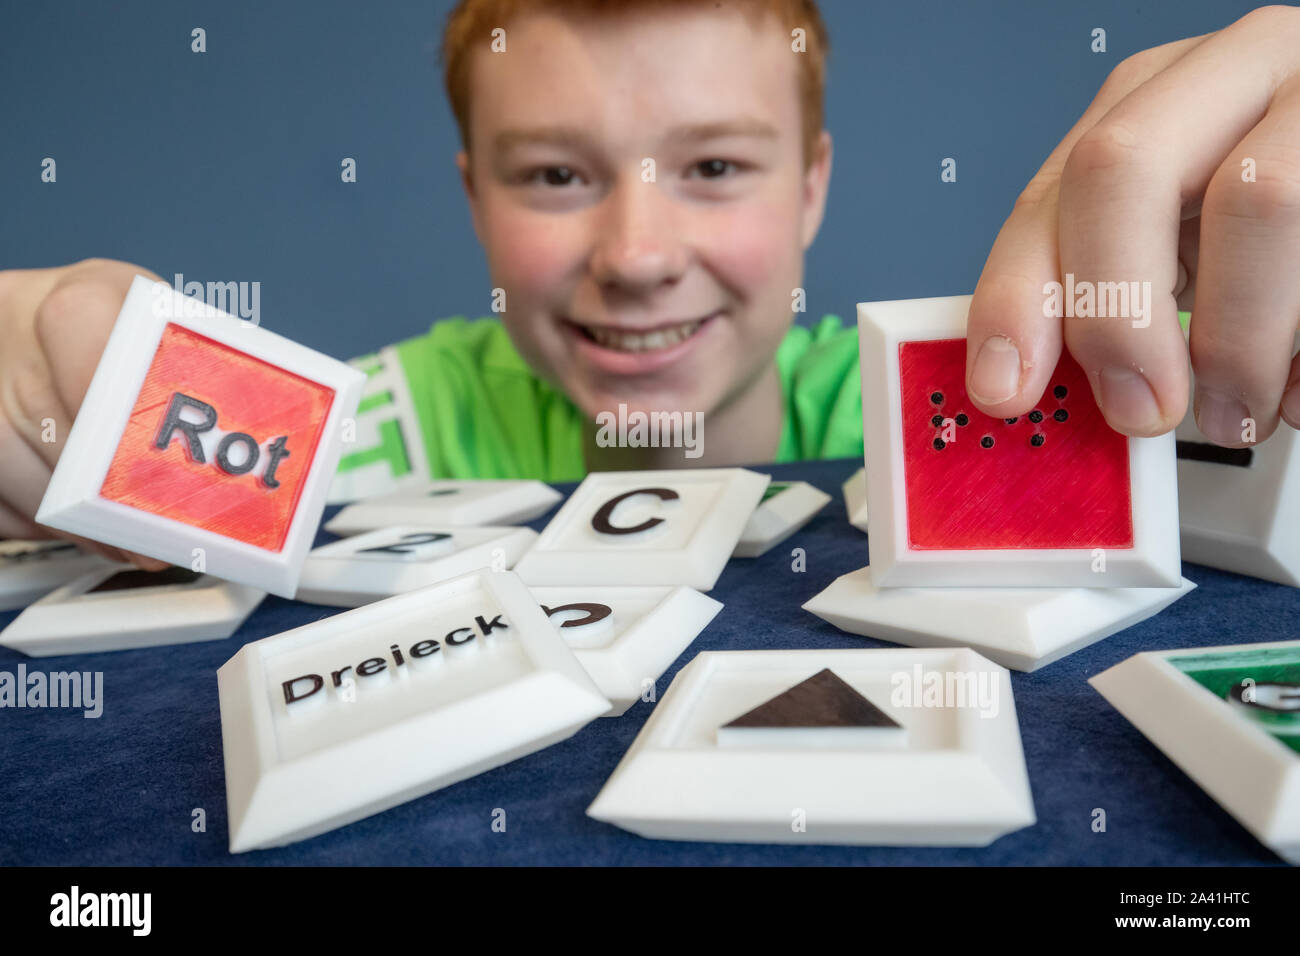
(645,340)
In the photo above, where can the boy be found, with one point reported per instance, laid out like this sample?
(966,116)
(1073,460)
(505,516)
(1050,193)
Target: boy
(645,176)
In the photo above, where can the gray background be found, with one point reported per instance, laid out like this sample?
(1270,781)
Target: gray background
(225,165)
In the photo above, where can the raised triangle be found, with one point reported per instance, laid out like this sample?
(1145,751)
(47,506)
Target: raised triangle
(823,700)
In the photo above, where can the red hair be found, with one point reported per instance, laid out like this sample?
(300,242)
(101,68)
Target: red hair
(472,21)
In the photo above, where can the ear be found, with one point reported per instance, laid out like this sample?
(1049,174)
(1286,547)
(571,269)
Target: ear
(467,182)
(816,181)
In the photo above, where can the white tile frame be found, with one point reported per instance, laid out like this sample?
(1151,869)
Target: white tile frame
(1152,562)
(1243,519)
(333,576)
(668,792)
(698,565)
(1020,628)
(70,621)
(24,582)
(526,500)
(72,502)
(647,647)
(855,498)
(780,518)
(376,478)
(272,802)
(1251,774)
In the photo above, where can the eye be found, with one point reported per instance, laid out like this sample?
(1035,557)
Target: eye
(714,168)
(553,176)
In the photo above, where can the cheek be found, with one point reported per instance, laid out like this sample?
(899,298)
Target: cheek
(757,251)
(531,258)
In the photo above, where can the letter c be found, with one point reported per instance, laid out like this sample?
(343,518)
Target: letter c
(600,521)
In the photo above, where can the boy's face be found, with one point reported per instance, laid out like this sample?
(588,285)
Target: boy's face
(638,182)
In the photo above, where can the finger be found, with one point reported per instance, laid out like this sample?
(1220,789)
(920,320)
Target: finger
(1012,347)
(1243,332)
(26,473)
(83,313)
(33,407)
(1291,398)
(98,547)
(1121,199)
(143,562)
(1189,254)
(29,402)
(13,525)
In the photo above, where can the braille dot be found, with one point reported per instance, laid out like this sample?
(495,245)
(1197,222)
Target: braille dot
(1037,441)
(936,398)
(1060,391)
(936,421)
(962,419)
(986,441)
(1035,416)
(1011,421)
(1060,414)
(939,444)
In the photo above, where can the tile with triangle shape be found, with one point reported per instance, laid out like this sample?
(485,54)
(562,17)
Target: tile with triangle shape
(822,711)
(932,759)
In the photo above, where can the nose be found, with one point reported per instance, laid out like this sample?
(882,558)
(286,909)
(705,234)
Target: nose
(639,244)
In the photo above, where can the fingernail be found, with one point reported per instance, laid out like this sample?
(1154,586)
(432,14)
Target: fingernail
(1291,406)
(1219,417)
(1127,400)
(996,376)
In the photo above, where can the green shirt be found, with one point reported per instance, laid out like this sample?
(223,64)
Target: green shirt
(460,402)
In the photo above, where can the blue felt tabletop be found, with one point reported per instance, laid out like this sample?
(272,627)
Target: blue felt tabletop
(122,789)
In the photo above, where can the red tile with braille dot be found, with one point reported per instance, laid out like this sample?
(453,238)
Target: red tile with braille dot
(1057,477)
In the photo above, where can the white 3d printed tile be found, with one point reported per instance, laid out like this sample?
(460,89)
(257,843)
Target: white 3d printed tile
(203,436)
(855,498)
(387,453)
(1239,508)
(1229,717)
(119,607)
(337,720)
(32,569)
(449,503)
(952,773)
(646,528)
(627,637)
(379,564)
(786,507)
(1020,628)
(1053,498)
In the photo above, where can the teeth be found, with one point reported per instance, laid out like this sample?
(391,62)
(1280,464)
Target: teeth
(643,341)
